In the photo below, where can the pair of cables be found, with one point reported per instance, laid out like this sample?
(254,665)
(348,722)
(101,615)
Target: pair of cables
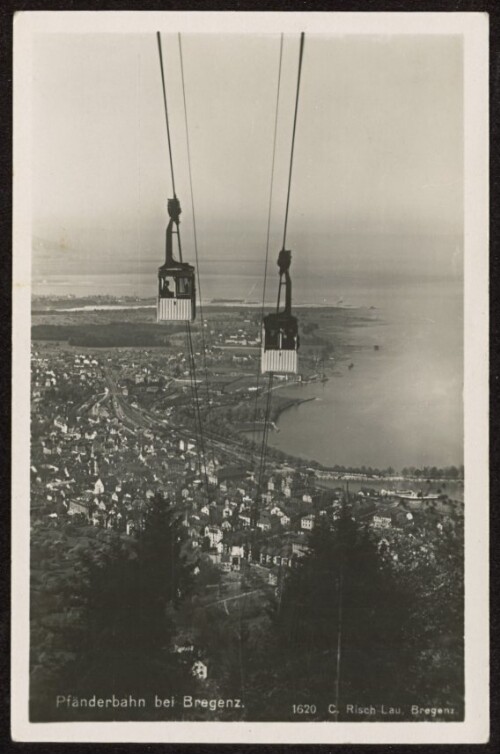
(267,413)
(201,445)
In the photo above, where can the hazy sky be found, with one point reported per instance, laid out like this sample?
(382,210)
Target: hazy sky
(379,147)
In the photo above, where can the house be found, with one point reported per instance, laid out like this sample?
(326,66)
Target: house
(215,555)
(299,549)
(307,522)
(272,578)
(79,506)
(382,521)
(214,534)
(284,519)
(98,487)
(199,670)
(235,563)
(264,524)
(245,519)
(61,424)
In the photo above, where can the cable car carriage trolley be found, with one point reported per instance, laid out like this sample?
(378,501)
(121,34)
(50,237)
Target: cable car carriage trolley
(176,280)
(280,331)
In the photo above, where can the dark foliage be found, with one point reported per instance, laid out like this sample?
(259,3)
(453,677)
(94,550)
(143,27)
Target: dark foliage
(121,642)
(341,598)
(106,335)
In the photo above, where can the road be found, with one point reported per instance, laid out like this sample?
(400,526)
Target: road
(224,600)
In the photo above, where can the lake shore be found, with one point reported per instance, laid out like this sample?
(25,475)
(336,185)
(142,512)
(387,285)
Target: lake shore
(394,390)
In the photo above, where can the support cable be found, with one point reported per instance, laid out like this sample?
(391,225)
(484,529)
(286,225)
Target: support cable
(268,406)
(301,53)
(193,399)
(268,228)
(158,38)
(192,364)
(197,407)
(265,435)
(195,235)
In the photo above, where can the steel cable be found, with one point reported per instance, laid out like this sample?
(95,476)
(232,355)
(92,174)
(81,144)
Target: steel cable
(192,364)
(158,38)
(268,227)
(301,53)
(268,406)
(195,235)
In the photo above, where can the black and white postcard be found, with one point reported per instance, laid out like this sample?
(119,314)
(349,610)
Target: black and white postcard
(250,399)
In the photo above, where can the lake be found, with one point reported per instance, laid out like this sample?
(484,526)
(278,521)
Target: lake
(400,405)
(397,406)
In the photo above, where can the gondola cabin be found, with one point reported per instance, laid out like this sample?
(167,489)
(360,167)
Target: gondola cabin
(280,343)
(176,293)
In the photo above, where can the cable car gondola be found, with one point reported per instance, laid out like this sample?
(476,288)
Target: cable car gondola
(280,330)
(176,280)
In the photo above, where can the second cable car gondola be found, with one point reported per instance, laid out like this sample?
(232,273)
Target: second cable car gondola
(280,330)
(176,280)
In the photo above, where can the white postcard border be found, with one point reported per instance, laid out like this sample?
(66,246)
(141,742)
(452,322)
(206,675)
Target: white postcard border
(474,29)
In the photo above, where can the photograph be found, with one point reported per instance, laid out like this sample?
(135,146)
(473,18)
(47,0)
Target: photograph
(250,279)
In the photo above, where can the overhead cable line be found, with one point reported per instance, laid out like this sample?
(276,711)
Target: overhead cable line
(198,421)
(269,222)
(195,236)
(192,364)
(284,253)
(265,435)
(158,38)
(301,53)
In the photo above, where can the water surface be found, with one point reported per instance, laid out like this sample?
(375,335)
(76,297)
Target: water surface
(398,406)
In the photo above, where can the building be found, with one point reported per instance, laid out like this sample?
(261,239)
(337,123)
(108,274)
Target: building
(307,522)
(199,670)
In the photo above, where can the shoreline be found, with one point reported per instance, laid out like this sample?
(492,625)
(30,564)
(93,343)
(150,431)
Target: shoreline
(344,351)
(258,426)
(204,304)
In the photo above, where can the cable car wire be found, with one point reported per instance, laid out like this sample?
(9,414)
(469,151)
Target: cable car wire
(301,54)
(268,406)
(192,363)
(269,221)
(158,38)
(198,421)
(195,236)
(265,435)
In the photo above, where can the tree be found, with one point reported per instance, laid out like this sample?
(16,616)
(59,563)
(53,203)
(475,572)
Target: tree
(123,644)
(340,595)
(160,552)
(435,635)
